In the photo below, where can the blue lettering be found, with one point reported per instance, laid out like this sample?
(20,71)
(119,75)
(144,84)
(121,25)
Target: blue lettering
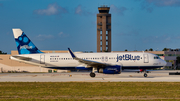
(127,57)
(130,57)
(120,57)
(138,57)
(134,58)
(117,58)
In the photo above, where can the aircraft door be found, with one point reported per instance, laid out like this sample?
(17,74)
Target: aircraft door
(104,59)
(42,59)
(146,58)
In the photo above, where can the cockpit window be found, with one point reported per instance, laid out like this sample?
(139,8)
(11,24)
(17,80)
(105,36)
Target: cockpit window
(156,57)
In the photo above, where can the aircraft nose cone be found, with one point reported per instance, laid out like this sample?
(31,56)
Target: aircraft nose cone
(164,63)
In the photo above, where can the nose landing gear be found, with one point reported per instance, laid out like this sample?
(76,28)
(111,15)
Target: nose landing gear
(145,73)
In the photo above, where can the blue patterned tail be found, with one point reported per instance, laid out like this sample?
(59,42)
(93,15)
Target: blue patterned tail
(23,43)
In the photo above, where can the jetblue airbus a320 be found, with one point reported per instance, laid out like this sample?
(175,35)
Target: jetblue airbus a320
(107,63)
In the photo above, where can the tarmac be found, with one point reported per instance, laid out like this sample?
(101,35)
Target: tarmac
(154,76)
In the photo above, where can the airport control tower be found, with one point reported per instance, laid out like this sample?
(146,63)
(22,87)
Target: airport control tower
(103,29)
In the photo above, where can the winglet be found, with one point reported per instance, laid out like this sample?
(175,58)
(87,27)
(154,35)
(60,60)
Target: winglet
(72,54)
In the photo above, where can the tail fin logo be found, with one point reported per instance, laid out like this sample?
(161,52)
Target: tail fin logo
(25,47)
(24,44)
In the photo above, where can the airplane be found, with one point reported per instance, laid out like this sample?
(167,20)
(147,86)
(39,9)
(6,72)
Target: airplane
(102,62)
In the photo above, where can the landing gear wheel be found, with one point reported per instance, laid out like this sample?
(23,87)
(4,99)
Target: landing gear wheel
(92,74)
(145,75)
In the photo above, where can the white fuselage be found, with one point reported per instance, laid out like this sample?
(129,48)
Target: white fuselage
(129,60)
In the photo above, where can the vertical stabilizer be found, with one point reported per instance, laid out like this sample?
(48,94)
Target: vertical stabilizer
(23,43)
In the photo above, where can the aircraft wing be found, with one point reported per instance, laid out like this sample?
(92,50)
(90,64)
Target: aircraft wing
(22,58)
(88,62)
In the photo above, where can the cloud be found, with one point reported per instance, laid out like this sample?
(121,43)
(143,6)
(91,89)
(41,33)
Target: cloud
(117,10)
(44,37)
(41,37)
(79,10)
(62,34)
(52,9)
(149,4)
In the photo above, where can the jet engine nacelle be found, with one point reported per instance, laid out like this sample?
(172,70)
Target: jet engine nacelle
(116,69)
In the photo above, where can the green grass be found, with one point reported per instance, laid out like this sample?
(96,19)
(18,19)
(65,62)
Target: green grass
(35,91)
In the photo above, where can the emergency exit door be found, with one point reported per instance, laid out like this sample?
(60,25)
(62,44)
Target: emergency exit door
(42,59)
(146,58)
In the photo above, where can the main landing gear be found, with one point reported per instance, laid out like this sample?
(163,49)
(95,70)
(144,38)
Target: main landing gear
(92,74)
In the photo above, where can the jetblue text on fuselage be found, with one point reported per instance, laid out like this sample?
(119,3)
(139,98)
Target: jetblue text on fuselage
(127,57)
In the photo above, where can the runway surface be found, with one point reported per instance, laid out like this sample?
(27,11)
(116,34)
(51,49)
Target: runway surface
(154,76)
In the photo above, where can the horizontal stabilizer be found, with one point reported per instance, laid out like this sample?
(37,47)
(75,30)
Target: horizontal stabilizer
(22,58)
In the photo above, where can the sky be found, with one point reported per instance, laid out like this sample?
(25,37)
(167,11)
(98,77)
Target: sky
(61,24)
